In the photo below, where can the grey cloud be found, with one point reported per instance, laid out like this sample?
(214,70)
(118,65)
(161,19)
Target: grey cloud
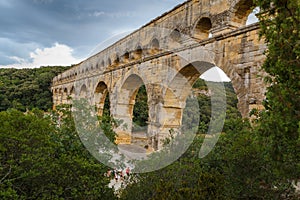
(10,49)
(79,24)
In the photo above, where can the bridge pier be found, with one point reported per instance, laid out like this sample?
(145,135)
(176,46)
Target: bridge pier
(124,121)
(165,116)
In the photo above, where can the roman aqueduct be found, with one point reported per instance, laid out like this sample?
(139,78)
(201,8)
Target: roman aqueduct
(167,55)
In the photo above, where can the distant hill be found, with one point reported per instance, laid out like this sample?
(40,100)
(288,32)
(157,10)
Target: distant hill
(27,88)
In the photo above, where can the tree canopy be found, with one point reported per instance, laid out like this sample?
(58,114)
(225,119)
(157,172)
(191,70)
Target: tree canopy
(41,159)
(27,88)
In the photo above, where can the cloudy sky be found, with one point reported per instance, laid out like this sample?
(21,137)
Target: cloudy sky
(62,32)
(38,33)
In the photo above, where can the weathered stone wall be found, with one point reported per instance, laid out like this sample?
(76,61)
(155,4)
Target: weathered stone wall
(241,56)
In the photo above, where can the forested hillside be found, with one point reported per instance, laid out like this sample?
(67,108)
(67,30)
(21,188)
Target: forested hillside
(27,88)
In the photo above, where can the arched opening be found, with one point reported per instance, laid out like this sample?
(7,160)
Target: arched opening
(102,64)
(175,39)
(188,101)
(102,106)
(214,77)
(154,47)
(109,62)
(241,11)
(215,74)
(137,54)
(140,111)
(65,96)
(251,19)
(106,109)
(116,60)
(175,35)
(101,93)
(72,93)
(60,92)
(175,101)
(83,92)
(202,29)
(56,97)
(126,57)
(132,110)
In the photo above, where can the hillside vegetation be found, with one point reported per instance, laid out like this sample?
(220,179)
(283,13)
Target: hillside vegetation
(27,88)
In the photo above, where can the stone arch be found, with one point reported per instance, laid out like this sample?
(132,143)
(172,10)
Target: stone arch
(186,76)
(116,60)
(174,99)
(65,96)
(252,18)
(202,28)
(180,85)
(240,11)
(101,91)
(154,46)
(109,63)
(83,93)
(126,57)
(72,92)
(100,65)
(60,92)
(192,71)
(56,96)
(137,53)
(125,104)
(240,80)
(175,39)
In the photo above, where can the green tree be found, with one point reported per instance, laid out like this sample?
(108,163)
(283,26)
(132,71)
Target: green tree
(279,124)
(42,159)
(187,178)
(140,109)
(107,121)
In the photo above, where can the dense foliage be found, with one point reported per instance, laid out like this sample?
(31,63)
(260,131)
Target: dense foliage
(41,159)
(279,126)
(27,88)
(140,109)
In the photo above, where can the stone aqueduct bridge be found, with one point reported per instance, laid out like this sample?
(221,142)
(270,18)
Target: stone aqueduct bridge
(167,55)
